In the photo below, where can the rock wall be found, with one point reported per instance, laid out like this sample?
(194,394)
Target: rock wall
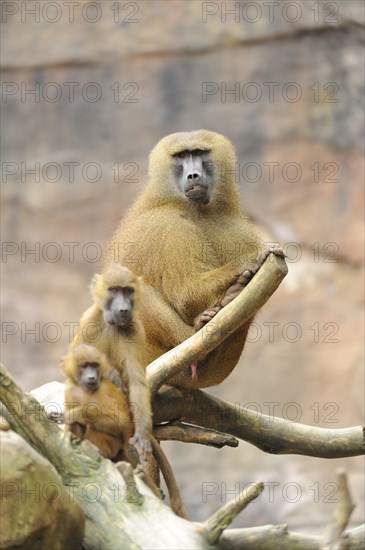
(87,89)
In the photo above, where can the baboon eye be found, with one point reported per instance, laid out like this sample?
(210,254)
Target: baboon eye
(128,290)
(194,152)
(182,154)
(93,365)
(114,289)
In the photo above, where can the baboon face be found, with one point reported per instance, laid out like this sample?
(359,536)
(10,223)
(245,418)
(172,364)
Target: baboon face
(118,308)
(85,365)
(89,376)
(193,167)
(194,173)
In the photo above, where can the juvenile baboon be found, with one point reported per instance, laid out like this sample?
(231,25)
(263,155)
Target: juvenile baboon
(188,237)
(95,409)
(112,325)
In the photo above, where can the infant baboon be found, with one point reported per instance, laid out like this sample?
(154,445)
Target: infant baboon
(95,409)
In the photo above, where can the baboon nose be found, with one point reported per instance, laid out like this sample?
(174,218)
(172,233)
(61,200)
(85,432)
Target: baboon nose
(194,176)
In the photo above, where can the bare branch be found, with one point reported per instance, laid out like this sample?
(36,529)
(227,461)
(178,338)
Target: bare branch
(111,520)
(229,319)
(178,431)
(28,418)
(220,520)
(174,492)
(270,434)
(277,537)
(343,511)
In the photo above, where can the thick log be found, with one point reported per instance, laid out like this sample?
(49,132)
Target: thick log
(114,519)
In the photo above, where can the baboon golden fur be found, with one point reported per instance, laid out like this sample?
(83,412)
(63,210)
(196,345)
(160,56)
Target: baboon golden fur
(125,348)
(187,253)
(101,416)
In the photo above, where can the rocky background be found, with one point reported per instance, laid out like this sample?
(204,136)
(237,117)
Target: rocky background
(87,89)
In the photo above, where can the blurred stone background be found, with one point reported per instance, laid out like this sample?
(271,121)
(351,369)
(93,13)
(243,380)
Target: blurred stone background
(87,89)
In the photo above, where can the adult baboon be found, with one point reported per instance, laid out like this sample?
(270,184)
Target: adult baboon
(188,237)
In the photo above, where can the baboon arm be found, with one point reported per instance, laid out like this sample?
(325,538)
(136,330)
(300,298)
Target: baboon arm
(206,291)
(217,280)
(189,280)
(139,397)
(165,325)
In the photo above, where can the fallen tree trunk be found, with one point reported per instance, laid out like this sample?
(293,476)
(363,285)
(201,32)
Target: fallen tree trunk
(117,513)
(32,491)
(120,510)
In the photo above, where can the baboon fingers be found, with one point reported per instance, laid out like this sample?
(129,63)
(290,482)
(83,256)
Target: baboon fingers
(277,250)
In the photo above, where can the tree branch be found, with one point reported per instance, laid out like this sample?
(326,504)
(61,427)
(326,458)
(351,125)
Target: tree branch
(96,483)
(277,537)
(227,321)
(220,520)
(28,418)
(174,492)
(343,511)
(111,522)
(177,431)
(268,433)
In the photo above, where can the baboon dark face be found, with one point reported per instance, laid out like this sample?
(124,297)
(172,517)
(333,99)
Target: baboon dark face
(118,309)
(194,173)
(89,376)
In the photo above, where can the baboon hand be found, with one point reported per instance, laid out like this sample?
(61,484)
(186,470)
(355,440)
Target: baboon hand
(272,249)
(114,377)
(205,317)
(245,277)
(236,288)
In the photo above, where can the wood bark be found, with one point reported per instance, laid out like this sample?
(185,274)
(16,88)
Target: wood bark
(122,512)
